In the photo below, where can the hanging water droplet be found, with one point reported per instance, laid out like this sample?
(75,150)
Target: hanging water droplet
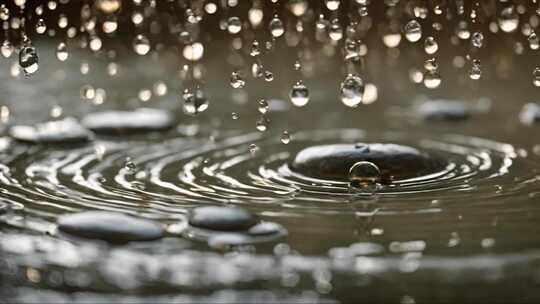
(141,45)
(476,70)
(62,52)
(237,82)
(432,79)
(276,27)
(28,60)
(299,94)
(413,31)
(508,19)
(263,106)
(430,45)
(363,174)
(352,90)
(6,49)
(195,101)
(234,25)
(285,137)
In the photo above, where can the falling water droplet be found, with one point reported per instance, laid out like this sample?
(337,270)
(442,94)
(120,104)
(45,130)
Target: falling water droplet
(413,31)
(299,94)
(352,90)
(235,116)
(276,27)
(432,79)
(141,45)
(534,41)
(430,45)
(268,76)
(262,124)
(536,77)
(28,60)
(234,25)
(263,106)
(195,101)
(6,49)
(237,82)
(508,19)
(41,27)
(477,39)
(62,52)
(476,70)
(285,137)
(253,149)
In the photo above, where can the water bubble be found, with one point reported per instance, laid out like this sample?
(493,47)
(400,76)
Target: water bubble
(276,27)
(536,77)
(28,60)
(299,94)
(234,25)
(508,19)
(476,70)
(413,31)
(263,106)
(6,49)
(352,90)
(195,101)
(62,52)
(285,137)
(141,45)
(432,79)
(430,45)
(363,174)
(237,82)
(477,39)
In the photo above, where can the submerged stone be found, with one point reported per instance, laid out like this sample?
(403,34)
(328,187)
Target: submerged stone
(128,122)
(530,113)
(443,110)
(67,130)
(395,162)
(109,226)
(222,218)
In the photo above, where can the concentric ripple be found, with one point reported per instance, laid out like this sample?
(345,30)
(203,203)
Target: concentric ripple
(163,178)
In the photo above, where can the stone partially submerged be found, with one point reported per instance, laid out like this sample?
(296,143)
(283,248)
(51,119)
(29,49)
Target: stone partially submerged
(129,122)
(110,226)
(396,162)
(65,131)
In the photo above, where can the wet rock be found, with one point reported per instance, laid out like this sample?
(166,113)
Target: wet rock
(109,226)
(443,110)
(129,122)
(67,130)
(395,162)
(266,228)
(222,218)
(530,113)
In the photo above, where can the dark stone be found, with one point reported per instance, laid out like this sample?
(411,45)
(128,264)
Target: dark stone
(266,228)
(530,114)
(394,161)
(222,218)
(109,226)
(129,122)
(444,110)
(67,131)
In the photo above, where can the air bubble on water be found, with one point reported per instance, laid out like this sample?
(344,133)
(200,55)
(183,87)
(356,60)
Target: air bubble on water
(234,25)
(195,101)
(276,27)
(285,137)
(62,52)
(6,49)
(28,60)
(430,45)
(237,82)
(299,94)
(263,106)
(363,174)
(508,19)
(432,79)
(477,39)
(476,70)
(413,31)
(352,90)
(141,45)
(210,8)
(536,76)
